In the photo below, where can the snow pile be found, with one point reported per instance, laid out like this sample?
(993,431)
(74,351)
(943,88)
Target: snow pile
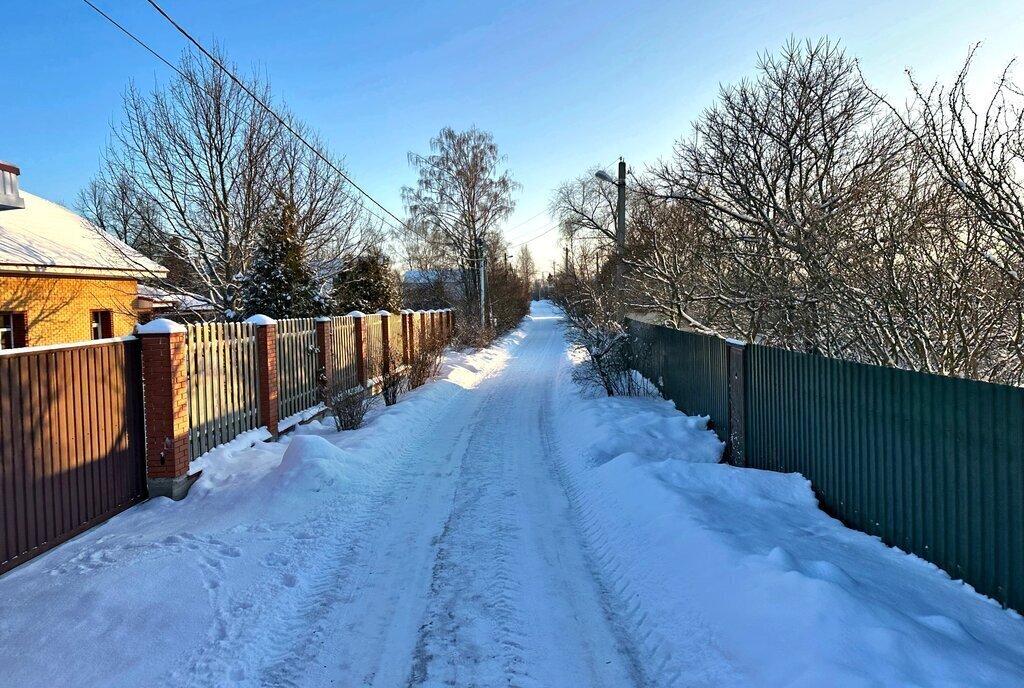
(735,577)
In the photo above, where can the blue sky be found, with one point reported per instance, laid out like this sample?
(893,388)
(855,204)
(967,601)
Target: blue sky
(562,85)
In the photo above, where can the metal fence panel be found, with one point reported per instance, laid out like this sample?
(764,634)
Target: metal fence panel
(297,379)
(223,383)
(343,350)
(932,465)
(374,346)
(690,369)
(71,442)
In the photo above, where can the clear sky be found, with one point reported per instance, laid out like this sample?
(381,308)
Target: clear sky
(563,85)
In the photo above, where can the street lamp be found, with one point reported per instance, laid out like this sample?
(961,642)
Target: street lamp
(620,231)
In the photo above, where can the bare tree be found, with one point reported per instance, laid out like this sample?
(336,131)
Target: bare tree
(459,201)
(199,162)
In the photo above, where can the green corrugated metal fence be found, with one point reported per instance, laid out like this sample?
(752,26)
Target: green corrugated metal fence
(690,369)
(931,464)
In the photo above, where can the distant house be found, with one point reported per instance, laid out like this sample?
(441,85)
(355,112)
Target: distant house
(431,288)
(155,302)
(62,279)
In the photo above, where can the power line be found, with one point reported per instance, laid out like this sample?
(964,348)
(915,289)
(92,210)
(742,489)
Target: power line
(272,113)
(192,81)
(527,241)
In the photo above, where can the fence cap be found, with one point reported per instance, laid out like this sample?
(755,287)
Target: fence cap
(406,311)
(259,319)
(383,312)
(355,314)
(321,318)
(160,326)
(737,342)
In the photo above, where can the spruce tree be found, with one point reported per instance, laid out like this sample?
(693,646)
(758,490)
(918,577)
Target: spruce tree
(366,283)
(278,282)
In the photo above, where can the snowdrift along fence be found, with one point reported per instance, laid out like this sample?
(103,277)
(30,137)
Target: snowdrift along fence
(88,429)
(930,464)
(72,448)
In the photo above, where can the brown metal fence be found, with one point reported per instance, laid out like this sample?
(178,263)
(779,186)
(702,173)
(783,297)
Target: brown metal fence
(297,363)
(223,383)
(71,442)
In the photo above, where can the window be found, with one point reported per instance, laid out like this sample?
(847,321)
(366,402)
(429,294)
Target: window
(102,325)
(13,332)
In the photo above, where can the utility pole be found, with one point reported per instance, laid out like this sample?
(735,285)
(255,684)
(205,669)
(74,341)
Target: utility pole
(620,242)
(483,282)
(620,234)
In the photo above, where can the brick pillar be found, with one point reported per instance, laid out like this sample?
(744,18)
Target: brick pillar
(423,327)
(360,337)
(385,344)
(407,338)
(451,324)
(266,361)
(324,351)
(165,400)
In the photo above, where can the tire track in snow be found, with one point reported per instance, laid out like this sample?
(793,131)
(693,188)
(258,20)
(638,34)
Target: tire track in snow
(655,661)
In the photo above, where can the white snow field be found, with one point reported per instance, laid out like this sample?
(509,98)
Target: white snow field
(495,528)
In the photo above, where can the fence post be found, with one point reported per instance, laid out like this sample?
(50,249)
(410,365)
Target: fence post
(423,328)
(325,351)
(736,355)
(385,341)
(266,361)
(359,334)
(408,343)
(165,401)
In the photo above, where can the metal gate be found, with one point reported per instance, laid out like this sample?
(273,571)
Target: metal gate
(71,442)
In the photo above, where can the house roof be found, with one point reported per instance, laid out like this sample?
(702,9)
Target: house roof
(162,298)
(44,237)
(449,276)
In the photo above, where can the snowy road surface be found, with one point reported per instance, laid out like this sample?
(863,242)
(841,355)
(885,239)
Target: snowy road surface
(496,527)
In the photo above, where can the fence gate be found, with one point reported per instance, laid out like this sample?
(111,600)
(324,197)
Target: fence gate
(71,442)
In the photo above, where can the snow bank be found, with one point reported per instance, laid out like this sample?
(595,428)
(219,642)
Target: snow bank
(735,577)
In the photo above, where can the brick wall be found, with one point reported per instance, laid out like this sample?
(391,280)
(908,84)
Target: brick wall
(58,309)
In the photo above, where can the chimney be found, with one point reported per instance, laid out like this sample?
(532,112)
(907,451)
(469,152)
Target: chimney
(10,199)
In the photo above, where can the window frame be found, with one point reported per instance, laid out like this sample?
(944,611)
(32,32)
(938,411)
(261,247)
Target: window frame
(105,323)
(16,333)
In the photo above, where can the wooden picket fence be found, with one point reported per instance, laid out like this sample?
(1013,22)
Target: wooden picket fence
(222,383)
(345,365)
(298,381)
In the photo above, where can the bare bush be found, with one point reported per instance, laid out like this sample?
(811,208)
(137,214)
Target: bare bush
(348,407)
(471,334)
(391,379)
(426,360)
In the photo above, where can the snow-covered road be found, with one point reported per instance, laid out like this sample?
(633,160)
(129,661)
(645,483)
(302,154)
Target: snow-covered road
(495,527)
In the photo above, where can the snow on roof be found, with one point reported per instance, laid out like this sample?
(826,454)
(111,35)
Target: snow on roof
(173,299)
(431,276)
(47,237)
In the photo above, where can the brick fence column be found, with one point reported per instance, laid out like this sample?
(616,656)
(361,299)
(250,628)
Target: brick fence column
(324,351)
(421,316)
(407,342)
(165,400)
(385,341)
(266,362)
(359,331)
(451,324)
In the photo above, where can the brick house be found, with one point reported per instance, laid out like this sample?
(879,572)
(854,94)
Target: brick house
(61,278)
